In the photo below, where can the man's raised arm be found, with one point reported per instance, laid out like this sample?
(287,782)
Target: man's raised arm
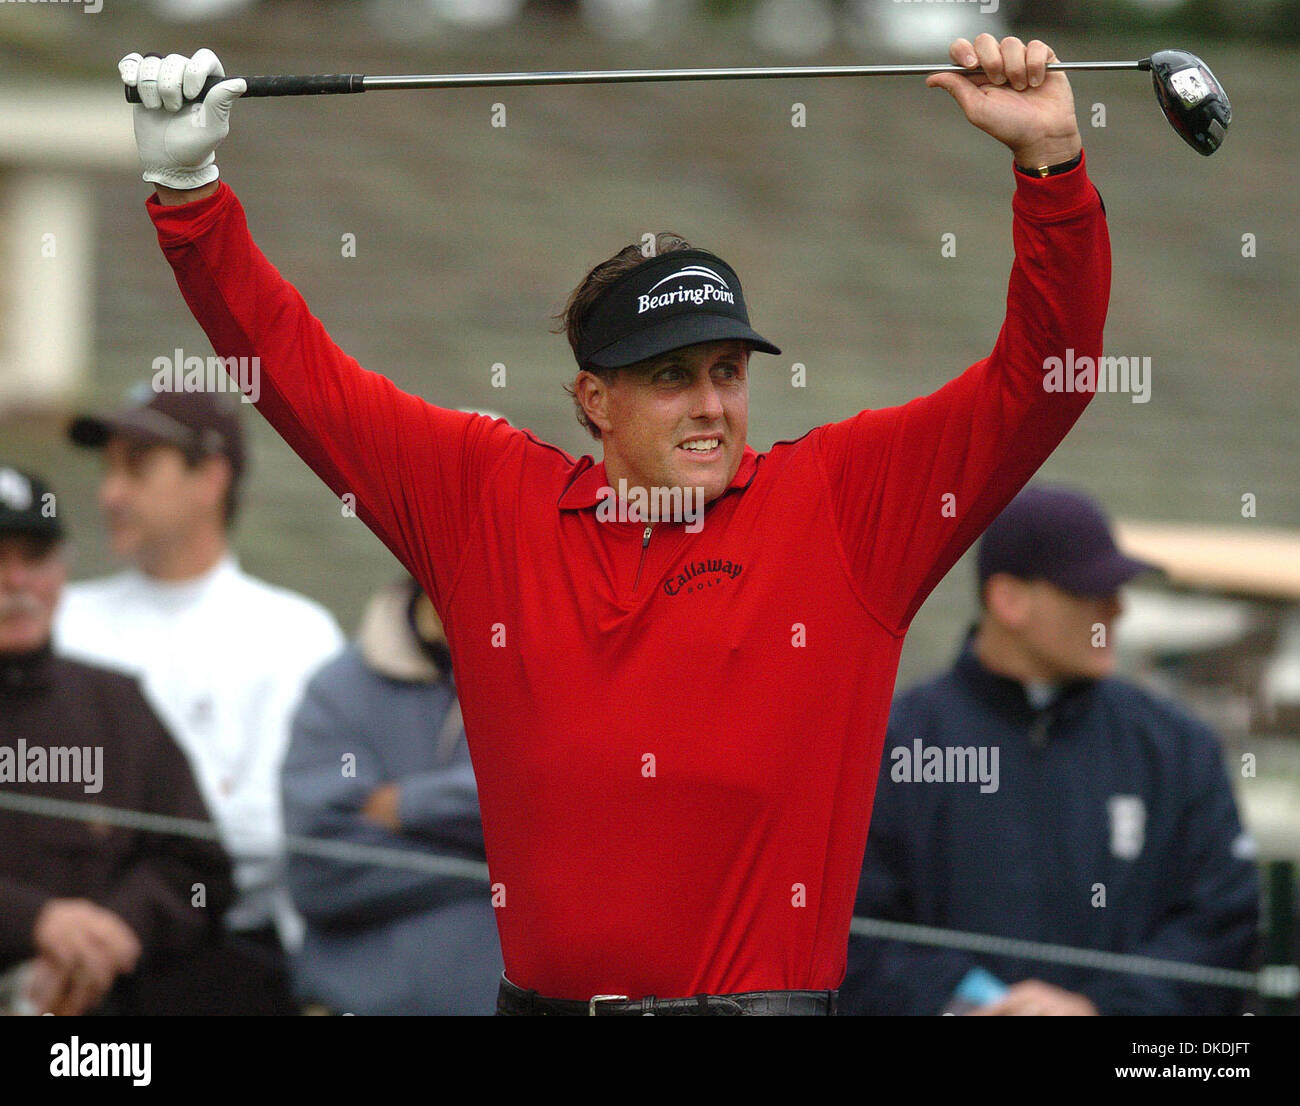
(416,472)
(914,486)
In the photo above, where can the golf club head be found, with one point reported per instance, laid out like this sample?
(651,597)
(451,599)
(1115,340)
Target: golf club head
(1192,100)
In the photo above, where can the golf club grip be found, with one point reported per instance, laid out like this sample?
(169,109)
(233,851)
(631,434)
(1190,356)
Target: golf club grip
(317,85)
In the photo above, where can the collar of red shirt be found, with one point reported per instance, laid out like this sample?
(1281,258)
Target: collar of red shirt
(584,491)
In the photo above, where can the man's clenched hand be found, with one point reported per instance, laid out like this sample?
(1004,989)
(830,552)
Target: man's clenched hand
(177,142)
(1015,99)
(82,948)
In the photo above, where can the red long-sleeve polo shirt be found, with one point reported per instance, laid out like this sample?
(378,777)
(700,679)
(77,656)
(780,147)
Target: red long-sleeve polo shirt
(676,742)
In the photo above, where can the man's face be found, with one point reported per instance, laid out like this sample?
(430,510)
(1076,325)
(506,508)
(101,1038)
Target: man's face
(32,574)
(150,497)
(1069,636)
(679,420)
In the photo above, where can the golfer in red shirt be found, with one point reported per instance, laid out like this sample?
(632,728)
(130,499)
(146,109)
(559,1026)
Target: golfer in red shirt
(675,705)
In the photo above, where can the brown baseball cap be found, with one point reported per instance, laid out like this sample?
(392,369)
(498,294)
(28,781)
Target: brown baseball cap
(198,423)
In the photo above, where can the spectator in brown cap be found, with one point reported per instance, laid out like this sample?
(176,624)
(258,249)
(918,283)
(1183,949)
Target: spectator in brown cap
(93,917)
(169,458)
(222,656)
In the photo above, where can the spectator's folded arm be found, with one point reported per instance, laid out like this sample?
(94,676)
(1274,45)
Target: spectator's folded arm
(324,794)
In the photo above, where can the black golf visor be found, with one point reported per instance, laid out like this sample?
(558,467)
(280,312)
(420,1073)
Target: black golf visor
(677,299)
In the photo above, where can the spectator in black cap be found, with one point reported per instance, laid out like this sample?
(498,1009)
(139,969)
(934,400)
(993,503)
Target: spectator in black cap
(93,917)
(30,536)
(223,656)
(1027,793)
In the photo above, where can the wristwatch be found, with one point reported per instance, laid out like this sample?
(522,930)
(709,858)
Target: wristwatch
(1051,170)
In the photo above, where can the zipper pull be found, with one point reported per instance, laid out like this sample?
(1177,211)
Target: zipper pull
(640,562)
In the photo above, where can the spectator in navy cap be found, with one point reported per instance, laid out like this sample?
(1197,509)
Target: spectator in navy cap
(1028,793)
(1049,578)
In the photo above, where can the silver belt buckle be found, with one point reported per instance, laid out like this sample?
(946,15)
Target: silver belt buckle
(591,1003)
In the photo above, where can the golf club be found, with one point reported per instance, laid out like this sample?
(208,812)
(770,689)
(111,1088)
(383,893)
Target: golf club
(1191,98)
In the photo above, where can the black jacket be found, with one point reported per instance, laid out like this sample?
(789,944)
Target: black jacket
(149,879)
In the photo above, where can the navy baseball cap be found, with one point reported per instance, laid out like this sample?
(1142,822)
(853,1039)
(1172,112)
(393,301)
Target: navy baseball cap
(27,506)
(676,299)
(1059,535)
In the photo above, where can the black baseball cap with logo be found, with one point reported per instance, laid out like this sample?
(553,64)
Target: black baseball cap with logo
(27,506)
(676,299)
(198,423)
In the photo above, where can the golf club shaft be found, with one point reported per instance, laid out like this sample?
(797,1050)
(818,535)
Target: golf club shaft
(356,82)
(630,76)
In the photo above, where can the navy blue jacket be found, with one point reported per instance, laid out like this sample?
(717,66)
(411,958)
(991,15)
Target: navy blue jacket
(1108,795)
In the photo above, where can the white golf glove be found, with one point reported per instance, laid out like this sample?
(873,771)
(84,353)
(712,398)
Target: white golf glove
(177,142)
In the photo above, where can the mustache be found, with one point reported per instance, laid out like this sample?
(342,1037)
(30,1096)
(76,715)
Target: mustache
(23,603)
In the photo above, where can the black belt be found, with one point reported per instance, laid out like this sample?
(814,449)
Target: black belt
(517,1001)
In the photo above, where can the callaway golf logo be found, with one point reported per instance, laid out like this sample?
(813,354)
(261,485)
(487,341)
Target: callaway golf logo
(698,575)
(712,288)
